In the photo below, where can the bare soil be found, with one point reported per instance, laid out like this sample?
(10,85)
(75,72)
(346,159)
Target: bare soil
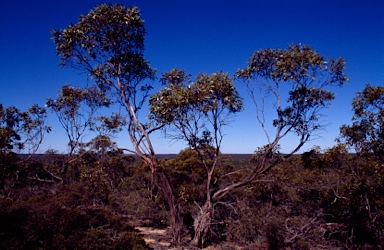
(155,238)
(158,239)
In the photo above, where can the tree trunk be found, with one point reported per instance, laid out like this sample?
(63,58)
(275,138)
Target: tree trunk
(202,223)
(166,190)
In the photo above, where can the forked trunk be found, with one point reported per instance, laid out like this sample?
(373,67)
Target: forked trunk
(201,224)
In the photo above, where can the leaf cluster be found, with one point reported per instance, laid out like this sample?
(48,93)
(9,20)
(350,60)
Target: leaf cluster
(108,44)
(299,63)
(191,107)
(180,96)
(19,128)
(366,133)
(305,74)
(71,98)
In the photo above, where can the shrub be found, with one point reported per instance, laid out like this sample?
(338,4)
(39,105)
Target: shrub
(63,221)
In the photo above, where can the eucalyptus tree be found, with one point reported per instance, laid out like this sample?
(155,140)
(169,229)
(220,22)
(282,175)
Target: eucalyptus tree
(197,112)
(76,108)
(366,134)
(106,128)
(108,45)
(22,130)
(295,82)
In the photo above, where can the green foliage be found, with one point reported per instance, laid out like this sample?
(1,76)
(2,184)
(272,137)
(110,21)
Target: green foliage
(75,108)
(266,153)
(40,214)
(22,129)
(355,202)
(70,99)
(187,174)
(366,134)
(133,196)
(334,204)
(297,63)
(306,75)
(195,111)
(108,43)
(337,203)
(146,210)
(106,126)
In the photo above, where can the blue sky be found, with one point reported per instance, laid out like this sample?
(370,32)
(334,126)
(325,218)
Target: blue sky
(199,36)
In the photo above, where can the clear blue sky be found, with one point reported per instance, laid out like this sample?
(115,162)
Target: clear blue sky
(199,36)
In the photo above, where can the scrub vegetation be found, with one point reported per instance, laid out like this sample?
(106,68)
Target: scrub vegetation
(97,194)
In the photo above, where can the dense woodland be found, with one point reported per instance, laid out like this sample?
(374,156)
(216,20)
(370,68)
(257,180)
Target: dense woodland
(95,195)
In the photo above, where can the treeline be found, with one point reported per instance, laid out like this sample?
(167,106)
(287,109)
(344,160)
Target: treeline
(321,199)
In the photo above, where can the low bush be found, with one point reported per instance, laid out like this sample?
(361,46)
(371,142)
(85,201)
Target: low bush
(63,221)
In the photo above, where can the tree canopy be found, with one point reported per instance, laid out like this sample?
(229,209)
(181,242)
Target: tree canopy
(76,109)
(366,134)
(108,44)
(306,74)
(195,111)
(22,129)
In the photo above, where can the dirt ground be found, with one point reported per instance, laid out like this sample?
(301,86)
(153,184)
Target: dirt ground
(157,239)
